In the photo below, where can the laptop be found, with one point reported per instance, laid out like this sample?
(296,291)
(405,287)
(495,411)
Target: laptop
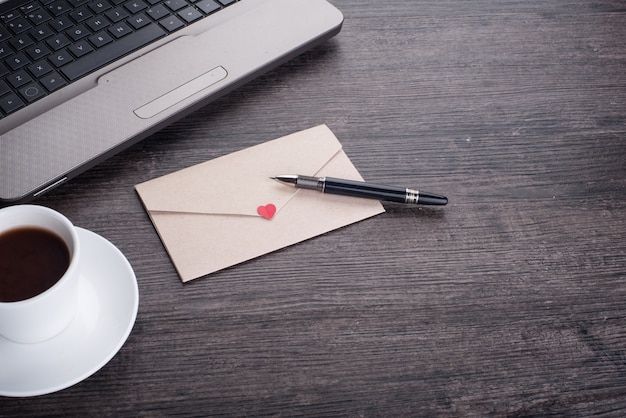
(81,80)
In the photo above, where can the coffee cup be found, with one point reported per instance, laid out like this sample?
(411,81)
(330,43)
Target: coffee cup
(39,273)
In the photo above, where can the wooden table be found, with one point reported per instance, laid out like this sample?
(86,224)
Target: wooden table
(510,301)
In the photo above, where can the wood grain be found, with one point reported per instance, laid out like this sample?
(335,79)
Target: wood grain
(510,301)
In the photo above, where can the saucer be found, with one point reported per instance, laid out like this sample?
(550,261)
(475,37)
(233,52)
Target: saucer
(107,308)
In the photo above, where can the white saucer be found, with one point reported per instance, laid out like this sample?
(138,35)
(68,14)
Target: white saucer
(108,302)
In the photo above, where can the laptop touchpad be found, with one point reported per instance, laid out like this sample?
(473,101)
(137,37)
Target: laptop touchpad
(181,93)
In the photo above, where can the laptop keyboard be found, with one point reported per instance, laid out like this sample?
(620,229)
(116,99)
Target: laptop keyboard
(47,44)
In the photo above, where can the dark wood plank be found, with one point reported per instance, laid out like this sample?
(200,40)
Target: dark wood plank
(510,301)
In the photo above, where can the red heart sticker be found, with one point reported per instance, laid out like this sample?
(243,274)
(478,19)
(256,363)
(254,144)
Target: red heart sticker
(266,211)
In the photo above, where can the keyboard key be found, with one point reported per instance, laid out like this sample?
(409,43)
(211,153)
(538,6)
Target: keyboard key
(10,103)
(4,34)
(139,21)
(57,42)
(21,41)
(27,8)
(78,32)
(59,7)
(208,6)
(19,25)
(80,48)
(99,6)
(37,52)
(38,17)
(100,39)
(41,32)
(40,68)
(171,23)
(62,23)
(135,6)
(60,58)
(97,23)
(112,51)
(5,50)
(3,69)
(116,15)
(32,92)
(4,88)
(7,17)
(81,14)
(52,81)
(19,78)
(17,61)
(120,29)
(158,12)
(175,5)
(190,14)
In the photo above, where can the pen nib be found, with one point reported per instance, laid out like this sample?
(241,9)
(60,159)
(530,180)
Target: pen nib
(287,178)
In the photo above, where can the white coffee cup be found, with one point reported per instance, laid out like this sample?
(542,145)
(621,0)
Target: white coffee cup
(45,315)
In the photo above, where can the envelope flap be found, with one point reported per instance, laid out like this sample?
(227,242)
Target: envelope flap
(238,183)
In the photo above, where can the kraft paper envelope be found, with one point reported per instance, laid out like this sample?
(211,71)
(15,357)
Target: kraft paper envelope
(208,216)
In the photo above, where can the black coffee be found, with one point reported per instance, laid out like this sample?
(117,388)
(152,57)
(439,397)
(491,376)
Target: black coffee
(31,261)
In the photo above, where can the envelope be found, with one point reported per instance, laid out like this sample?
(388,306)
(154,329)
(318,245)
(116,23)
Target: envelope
(228,210)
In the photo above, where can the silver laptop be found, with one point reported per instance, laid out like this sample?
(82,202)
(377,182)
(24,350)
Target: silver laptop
(80,80)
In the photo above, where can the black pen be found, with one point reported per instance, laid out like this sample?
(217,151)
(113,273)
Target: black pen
(360,189)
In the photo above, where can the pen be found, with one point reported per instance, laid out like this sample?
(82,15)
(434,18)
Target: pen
(360,189)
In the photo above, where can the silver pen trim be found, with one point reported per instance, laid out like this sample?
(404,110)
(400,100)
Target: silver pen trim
(412,196)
